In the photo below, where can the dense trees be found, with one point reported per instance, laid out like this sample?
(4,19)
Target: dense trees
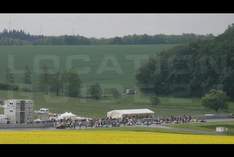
(27,75)
(73,83)
(95,91)
(10,79)
(215,100)
(192,69)
(158,39)
(14,37)
(58,83)
(9,82)
(115,93)
(4,86)
(44,79)
(61,83)
(155,100)
(66,83)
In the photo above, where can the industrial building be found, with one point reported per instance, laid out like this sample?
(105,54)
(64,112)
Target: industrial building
(18,111)
(132,113)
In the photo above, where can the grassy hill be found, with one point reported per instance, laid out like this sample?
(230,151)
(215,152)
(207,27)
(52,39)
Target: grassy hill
(97,59)
(110,64)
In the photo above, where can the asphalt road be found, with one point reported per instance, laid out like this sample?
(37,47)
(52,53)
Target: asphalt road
(220,120)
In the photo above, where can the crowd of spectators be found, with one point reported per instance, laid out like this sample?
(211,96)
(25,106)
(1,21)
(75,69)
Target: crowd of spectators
(109,122)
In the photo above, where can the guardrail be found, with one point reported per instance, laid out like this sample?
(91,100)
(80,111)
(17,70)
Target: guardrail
(217,117)
(34,125)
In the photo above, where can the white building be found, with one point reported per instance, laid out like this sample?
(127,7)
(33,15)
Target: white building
(131,113)
(3,119)
(18,110)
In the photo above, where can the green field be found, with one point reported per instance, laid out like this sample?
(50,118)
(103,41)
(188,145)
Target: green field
(113,65)
(92,108)
(209,126)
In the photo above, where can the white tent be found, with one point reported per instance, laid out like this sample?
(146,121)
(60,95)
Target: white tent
(66,115)
(118,114)
(82,118)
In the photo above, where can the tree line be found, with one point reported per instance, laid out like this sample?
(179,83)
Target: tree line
(191,70)
(66,83)
(61,83)
(19,37)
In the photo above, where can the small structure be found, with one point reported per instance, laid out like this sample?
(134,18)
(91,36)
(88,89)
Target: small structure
(129,91)
(43,110)
(221,129)
(43,114)
(18,110)
(131,113)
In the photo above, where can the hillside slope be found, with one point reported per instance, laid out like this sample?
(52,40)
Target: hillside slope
(104,64)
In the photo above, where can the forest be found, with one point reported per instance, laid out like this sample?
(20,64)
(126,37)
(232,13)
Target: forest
(19,37)
(191,70)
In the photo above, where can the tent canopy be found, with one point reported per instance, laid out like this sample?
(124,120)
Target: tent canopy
(130,112)
(66,115)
